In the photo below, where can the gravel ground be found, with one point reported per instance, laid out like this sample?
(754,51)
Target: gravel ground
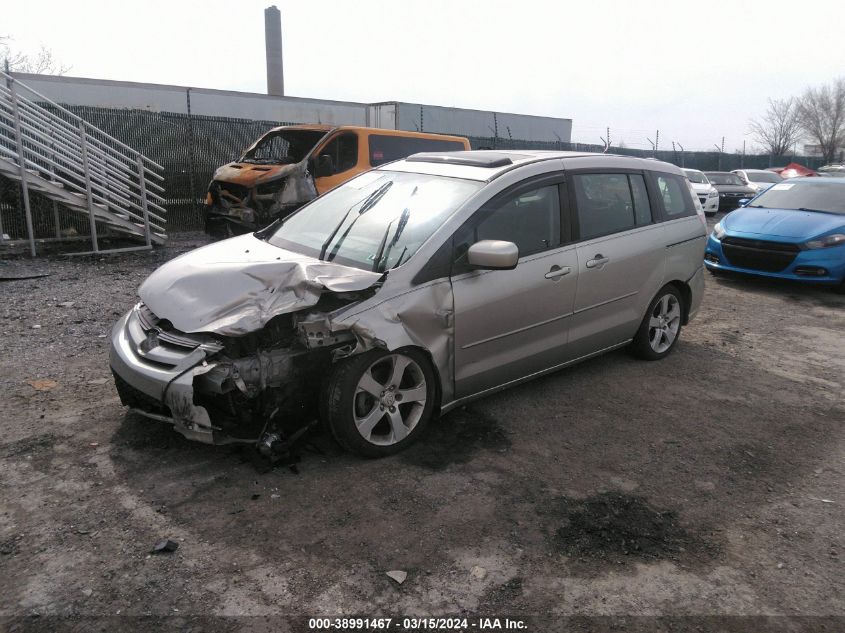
(708,484)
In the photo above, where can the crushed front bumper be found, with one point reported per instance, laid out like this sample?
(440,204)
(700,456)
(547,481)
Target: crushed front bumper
(155,377)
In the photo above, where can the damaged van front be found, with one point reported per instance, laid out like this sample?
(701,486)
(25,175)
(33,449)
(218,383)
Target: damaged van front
(291,165)
(270,180)
(233,342)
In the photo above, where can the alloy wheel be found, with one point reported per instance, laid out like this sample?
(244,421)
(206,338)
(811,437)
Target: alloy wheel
(664,324)
(389,399)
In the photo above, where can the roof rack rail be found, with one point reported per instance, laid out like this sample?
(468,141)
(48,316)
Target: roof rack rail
(470,159)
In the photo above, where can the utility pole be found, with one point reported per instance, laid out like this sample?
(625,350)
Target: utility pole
(742,160)
(656,141)
(682,153)
(719,158)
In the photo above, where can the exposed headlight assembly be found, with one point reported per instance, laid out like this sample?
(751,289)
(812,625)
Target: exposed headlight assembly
(718,231)
(713,194)
(837,239)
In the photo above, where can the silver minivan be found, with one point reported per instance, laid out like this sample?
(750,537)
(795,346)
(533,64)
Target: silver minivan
(411,289)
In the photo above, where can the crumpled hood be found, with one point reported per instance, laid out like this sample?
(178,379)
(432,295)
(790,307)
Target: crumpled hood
(236,286)
(789,223)
(248,174)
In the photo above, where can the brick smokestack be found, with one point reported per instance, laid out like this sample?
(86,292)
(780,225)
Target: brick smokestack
(273,44)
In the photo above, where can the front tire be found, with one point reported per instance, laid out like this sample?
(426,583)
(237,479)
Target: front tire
(661,327)
(379,402)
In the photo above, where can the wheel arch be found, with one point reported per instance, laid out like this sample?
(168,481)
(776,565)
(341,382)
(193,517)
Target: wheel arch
(686,298)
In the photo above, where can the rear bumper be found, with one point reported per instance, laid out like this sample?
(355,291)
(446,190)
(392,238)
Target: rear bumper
(696,285)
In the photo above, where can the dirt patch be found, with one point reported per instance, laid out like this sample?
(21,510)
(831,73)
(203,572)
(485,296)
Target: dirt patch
(455,438)
(618,528)
(33,445)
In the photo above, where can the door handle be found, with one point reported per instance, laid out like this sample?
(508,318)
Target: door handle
(556,271)
(598,261)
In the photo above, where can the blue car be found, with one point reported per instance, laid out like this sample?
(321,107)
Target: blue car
(793,230)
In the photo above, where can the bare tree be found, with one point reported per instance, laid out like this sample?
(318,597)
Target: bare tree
(42,63)
(821,112)
(779,129)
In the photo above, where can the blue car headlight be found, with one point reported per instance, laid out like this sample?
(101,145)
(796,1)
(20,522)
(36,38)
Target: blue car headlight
(718,231)
(826,242)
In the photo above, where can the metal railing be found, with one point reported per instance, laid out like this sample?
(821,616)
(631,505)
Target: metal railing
(63,157)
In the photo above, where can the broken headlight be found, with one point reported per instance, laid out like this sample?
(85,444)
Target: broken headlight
(269,188)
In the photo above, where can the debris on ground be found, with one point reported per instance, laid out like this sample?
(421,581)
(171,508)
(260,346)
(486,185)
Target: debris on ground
(274,451)
(822,500)
(43,384)
(398,575)
(99,381)
(478,572)
(66,304)
(165,547)
(24,276)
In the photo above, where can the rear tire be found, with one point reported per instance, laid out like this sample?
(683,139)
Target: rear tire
(378,403)
(661,326)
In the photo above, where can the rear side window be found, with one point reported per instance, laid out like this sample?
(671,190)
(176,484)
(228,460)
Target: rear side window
(677,199)
(384,148)
(610,203)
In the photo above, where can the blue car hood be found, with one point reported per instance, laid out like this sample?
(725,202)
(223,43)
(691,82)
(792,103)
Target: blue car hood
(799,225)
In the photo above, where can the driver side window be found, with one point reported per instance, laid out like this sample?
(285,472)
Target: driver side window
(529,219)
(343,150)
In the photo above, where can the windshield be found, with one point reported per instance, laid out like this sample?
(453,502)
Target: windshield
(696,177)
(376,221)
(724,179)
(283,147)
(816,195)
(763,176)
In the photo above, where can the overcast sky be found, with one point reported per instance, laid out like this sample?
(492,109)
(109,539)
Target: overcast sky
(696,71)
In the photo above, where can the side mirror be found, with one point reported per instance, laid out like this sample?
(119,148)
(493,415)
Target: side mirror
(325,166)
(744,201)
(493,255)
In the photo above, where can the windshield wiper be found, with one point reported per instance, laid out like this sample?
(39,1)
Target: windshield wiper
(403,222)
(757,206)
(366,204)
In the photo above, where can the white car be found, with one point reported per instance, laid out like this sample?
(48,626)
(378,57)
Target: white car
(758,179)
(704,191)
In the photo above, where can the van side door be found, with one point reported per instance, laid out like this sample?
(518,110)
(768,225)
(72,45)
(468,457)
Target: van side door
(621,252)
(510,324)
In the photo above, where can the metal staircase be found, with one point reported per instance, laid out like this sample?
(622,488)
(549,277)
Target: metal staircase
(83,170)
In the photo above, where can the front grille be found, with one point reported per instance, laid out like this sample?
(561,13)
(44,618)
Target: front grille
(136,399)
(761,255)
(231,191)
(167,334)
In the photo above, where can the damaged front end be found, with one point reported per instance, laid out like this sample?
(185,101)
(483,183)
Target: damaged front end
(243,197)
(246,345)
(221,389)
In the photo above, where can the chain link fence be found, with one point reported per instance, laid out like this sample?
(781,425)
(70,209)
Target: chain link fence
(191,147)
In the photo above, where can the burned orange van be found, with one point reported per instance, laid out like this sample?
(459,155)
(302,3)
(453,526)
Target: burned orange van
(291,165)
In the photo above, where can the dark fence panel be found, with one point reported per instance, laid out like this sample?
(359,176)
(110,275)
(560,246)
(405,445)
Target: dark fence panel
(191,147)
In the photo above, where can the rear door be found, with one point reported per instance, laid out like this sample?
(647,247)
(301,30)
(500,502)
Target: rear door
(621,252)
(512,323)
